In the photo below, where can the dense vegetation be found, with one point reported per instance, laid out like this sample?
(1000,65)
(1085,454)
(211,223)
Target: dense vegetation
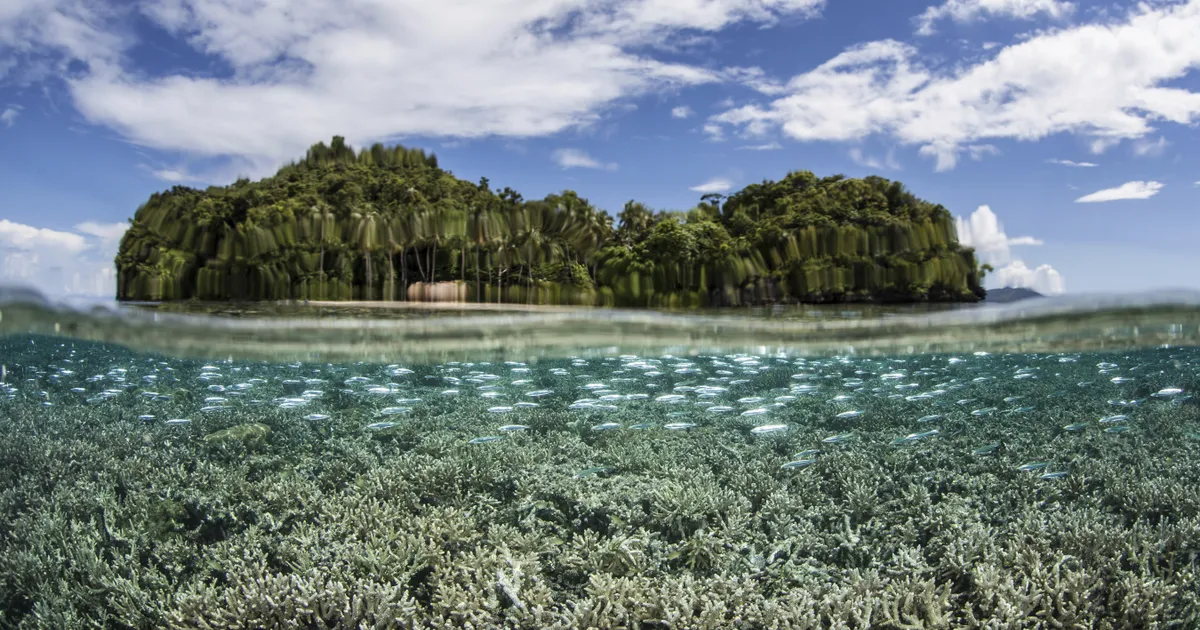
(382,223)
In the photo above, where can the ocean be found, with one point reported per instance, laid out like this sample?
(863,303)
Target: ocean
(1032,465)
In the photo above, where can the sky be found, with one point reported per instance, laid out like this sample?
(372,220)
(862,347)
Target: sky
(1060,133)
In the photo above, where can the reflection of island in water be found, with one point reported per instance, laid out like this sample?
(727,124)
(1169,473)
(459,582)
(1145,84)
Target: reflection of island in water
(387,224)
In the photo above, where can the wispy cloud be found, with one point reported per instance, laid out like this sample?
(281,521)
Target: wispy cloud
(888,162)
(576,158)
(1072,163)
(514,70)
(683,111)
(9,115)
(714,185)
(970,10)
(769,146)
(1150,148)
(1078,80)
(1128,190)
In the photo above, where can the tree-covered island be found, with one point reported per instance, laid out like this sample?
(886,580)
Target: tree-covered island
(386,223)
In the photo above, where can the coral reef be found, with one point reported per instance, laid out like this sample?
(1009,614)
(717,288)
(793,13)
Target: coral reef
(110,518)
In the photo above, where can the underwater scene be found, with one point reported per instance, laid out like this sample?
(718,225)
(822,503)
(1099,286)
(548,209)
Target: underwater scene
(1006,477)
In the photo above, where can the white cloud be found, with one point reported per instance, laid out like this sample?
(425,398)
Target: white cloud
(683,111)
(714,185)
(575,158)
(1196,183)
(1150,148)
(1044,279)
(1105,81)
(1128,190)
(108,233)
(60,263)
(983,231)
(769,146)
(888,162)
(9,115)
(469,68)
(969,10)
(1071,163)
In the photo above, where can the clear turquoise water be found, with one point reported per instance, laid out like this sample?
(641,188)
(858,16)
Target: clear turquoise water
(1029,466)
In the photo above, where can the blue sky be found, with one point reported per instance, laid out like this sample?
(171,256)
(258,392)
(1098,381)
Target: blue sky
(1060,132)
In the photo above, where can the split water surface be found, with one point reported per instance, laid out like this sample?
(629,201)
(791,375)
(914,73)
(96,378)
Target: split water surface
(1034,465)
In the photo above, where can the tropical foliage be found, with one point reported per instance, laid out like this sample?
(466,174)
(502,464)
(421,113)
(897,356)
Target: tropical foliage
(375,224)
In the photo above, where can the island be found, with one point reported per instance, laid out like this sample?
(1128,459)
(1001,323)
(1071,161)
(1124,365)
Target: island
(387,223)
(1011,294)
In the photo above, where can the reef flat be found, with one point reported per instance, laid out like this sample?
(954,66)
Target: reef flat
(925,491)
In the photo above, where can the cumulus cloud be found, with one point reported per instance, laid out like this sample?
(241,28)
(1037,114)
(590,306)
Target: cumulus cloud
(683,111)
(576,158)
(1128,190)
(1044,279)
(1072,163)
(373,70)
(969,10)
(983,231)
(714,185)
(60,263)
(1106,82)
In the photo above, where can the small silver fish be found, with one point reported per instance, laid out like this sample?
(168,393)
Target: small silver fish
(678,426)
(837,439)
(1032,466)
(1058,474)
(485,439)
(800,463)
(989,449)
(769,428)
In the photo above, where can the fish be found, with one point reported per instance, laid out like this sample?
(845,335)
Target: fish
(393,411)
(769,428)
(1033,466)
(594,470)
(755,412)
(378,426)
(500,409)
(915,437)
(1120,428)
(1167,392)
(807,453)
(988,449)
(1112,419)
(485,439)
(838,439)
(1076,426)
(1058,474)
(316,416)
(849,414)
(800,463)
(514,427)
(678,426)
(607,426)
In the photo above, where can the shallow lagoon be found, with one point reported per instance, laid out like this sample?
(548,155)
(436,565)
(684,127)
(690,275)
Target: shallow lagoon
(971,489)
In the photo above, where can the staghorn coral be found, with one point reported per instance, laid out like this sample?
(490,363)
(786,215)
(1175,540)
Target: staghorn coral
(107,521)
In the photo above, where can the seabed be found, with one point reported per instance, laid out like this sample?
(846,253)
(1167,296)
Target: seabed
(277,507)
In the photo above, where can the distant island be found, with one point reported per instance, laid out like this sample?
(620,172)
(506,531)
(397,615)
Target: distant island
(387,223)
(1011,294)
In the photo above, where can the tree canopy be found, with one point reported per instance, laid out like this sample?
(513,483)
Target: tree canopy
(368,225)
